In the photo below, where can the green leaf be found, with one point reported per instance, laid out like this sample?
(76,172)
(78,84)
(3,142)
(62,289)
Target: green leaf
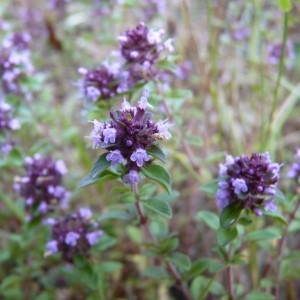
(115,214)
(209,218)
(259,296)
(181,261)
(230,215)
(134,234)
(104,176)
(110,266)
(276,216)
(226,235)
(100,165)
(13,206)
(285,5)
(158,174)
(264,234)
(156,152)
(210,188)
(158,206)
(198,267)
(155,273)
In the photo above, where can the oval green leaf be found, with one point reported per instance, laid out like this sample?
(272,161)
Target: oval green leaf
(158,174)
(230,215)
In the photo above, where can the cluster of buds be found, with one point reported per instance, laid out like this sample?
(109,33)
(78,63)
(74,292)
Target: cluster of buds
(248,181)
(15,63)
(41,186)
(7,124)
(73,235)
(140,50)
(128,135)
(294,170)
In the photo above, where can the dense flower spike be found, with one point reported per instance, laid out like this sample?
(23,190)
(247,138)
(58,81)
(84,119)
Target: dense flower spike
(41,186)
(141,48)
(73,235)
(128,136)
(7,124)
(294,170)
(248,181)
(15,63)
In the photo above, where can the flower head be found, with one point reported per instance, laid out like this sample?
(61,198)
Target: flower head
(128,135)
(98,83)
(73,235)
(41,185)
(248,181)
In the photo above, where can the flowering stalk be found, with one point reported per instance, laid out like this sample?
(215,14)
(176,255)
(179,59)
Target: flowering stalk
(145,225)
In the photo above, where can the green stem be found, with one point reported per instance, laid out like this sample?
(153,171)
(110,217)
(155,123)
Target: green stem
(206,289)
(253,264)
(280,71)
(145,225)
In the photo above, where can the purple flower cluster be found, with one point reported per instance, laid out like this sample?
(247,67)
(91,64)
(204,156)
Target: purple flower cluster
(128,136)
(248,181)
(294,170)
(7,124)
(41,187)
(15,62)
(275,50)
(140,50)
(73,235)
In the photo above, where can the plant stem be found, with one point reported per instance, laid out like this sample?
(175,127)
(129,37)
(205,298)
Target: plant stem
(145,225)
(280,70)
(280,249)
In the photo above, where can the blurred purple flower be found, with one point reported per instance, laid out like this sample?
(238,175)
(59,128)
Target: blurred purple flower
(73,235)
(7,124)
(275,50)
(294,170)
(15,63)
(41,185)
(248,181)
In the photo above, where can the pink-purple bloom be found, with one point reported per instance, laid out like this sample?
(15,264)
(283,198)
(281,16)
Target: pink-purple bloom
(128,135)
(249,181)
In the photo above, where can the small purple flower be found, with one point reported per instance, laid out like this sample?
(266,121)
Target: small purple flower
(140,156)
(52,247)
(239,185)
(71,238)
(109,135)
(275,51)
(73,235)
(93,237)
(115,157)
(85,213)
(248,181)
(132,177)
